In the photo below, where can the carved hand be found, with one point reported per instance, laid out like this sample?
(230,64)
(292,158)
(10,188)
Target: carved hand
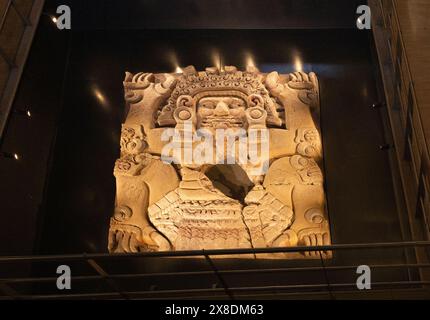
(298,86)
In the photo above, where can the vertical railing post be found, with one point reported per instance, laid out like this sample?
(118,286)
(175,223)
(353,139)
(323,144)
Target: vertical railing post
(110,282)
(218,275)
(326,276)
(408,152)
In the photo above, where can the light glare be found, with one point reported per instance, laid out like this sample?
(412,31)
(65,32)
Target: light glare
(216,59)
(298,64)
(249,61)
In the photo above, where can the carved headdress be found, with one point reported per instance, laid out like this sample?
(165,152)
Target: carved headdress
(193,86)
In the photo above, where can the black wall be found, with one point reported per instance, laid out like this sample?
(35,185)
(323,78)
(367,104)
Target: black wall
(73,139)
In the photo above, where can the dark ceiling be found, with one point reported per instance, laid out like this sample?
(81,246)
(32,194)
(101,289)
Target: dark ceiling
(208,14)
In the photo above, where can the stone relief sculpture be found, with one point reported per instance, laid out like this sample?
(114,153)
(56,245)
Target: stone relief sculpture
(187,205)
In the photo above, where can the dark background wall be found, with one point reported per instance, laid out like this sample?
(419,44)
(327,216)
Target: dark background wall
(73,84)
(208,14)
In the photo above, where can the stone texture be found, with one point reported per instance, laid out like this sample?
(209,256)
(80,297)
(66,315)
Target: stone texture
(163,206)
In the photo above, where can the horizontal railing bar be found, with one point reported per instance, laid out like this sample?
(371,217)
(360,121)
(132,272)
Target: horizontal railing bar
(71,296)
(50,279)
(202,273)
(221,290)
(268,270)
(202,253)
(274,294)
(307,293)
(331,286)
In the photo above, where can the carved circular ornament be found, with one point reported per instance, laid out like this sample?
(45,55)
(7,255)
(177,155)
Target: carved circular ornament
(182,114)
(256,113)
(122,213)
(314,215)
(307,149)
(299,162)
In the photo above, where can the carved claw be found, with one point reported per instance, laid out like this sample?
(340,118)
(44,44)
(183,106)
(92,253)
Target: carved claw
(287,239)
(121,241)
(300,81)
(143,78)
(273,82)
(299,76)
(125,238)
(167,85)
(169,82)
(314,79)
(314,237)
(304,85)
(128,77)
(297,81)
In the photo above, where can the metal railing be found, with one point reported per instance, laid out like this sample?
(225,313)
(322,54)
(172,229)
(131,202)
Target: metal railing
(218,277)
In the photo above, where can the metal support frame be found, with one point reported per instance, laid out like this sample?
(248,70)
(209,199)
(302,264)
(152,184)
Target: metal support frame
(411,147)
(23,18)
(16,64)
(326,275)
(4,16)
(105,276)
(220,278)
(3,55)
(330,286)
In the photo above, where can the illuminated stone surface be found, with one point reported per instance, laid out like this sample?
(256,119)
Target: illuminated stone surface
(193,205)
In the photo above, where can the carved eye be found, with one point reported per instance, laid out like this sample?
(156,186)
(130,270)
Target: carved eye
(206,111)
(236,104)
(208,104)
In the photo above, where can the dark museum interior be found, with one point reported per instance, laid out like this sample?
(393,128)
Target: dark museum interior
(61,139)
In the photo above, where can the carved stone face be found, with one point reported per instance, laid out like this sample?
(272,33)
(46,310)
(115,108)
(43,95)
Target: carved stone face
(221,113)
